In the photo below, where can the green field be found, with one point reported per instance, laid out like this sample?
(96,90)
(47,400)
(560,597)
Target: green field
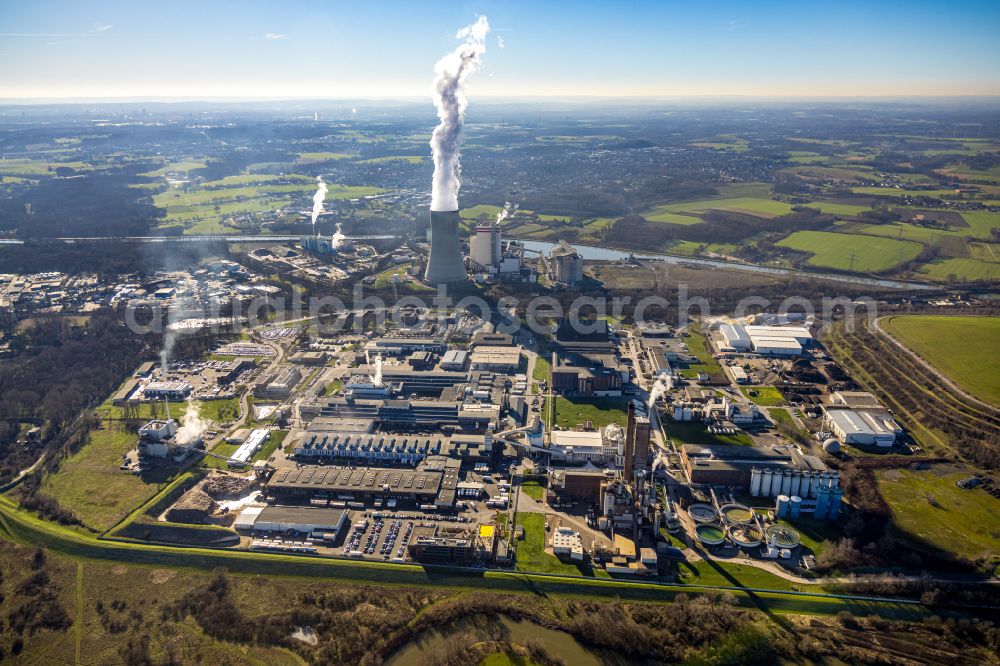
(765,396)
(838,209)
(761,206)
(256,179)
(851,252)
(964,348)
(961,269)
(533,489)
(531,555)
(90,484)
(602,411)
(409,159)
(181,166)
(927,505)
(475,212)
(662,214)
(698,347)
(322,157)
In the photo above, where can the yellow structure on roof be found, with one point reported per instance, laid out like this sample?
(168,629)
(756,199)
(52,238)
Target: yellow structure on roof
(487,531)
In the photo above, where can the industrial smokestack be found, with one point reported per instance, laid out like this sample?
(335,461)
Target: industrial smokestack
(449,97)
(445,263)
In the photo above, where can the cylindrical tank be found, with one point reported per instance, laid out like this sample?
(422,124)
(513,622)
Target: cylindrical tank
(836,498)
(796,482)
(822,502)
(765,483)
(786,482)
(776,483)
(822,481)
(805,490)
(795,507)
(755,478)
(678,413)
(688,412)
(781,508)
(835,479)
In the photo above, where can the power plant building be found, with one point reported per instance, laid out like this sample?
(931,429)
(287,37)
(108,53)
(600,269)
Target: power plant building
(485,246)
(445,264)
(566,264)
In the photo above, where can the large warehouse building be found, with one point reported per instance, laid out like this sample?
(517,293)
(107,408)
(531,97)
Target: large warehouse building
(866,427)
(765,340)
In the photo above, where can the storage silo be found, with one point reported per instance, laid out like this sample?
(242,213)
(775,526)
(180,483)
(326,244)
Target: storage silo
(836,499)
(796,482)
(782,506)
(765,483)
(786,482)
(805,490)
(822,502)
(834,479)
(795,507)
(755,479)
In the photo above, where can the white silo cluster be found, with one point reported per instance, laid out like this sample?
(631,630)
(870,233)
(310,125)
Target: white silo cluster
(770,482)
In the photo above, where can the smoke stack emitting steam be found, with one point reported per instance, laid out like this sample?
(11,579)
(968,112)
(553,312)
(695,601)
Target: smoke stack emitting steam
(318,199)
(449,97)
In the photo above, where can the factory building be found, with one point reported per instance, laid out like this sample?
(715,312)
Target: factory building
(581,446)
(169,390)
(765,340)
(497,359)
(404,346)
(429,546)
(865,427)
(311,521)
(434,481)
(454,360)
(485,246)
(567,544)
(637,433)
(566,264)
(387,448)
(726,465)
(156,437)
(279,383)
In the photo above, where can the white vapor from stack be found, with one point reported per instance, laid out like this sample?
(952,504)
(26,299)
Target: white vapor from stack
(376,379)
(318,199)
(509,210)
(449,97)
(193,427)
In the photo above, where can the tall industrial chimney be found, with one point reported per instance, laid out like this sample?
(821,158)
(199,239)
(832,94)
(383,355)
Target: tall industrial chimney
(445,264)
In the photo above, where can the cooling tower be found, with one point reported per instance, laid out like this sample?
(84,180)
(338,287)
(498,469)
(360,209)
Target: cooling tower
(445,263)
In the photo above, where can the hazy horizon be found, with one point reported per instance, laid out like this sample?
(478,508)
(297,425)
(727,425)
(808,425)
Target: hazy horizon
(304,49)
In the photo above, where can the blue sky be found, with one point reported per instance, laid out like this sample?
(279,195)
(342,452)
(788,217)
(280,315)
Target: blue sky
(336,49)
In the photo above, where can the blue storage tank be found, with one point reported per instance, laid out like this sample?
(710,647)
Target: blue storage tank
(822,502)
(795,507)
(782,507)
(833,510)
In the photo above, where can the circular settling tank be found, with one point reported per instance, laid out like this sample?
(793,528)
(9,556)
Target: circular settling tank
(702,513)
(710,535)
(781,536)
(737,513)
(745,536)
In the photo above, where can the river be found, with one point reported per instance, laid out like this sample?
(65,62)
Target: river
(556,643)
(595,253)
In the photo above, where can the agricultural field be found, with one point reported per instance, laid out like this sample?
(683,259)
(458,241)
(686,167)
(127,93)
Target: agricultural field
(928,506)
(750,198)
(963,348)
(408,159)
(966,270)
(181,166)
(309,158)
(851,252)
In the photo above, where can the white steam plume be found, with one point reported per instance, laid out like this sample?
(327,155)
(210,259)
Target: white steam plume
(337,238)
(509,210)
(318,199)
(193,426)
(449,97)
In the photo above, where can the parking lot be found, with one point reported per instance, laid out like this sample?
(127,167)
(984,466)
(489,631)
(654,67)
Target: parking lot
(385,536)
